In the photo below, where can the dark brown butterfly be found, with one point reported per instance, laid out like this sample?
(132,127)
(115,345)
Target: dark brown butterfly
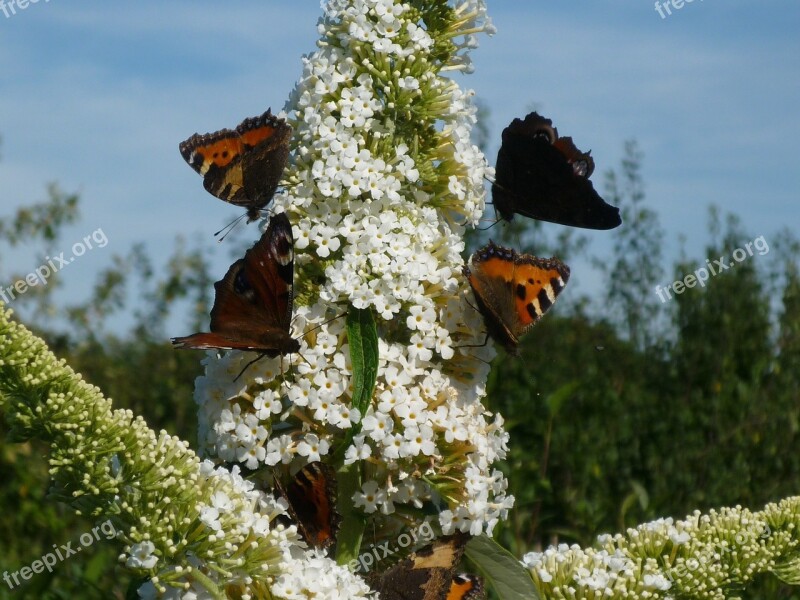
(242,166)
(513,290)
(311,495)
(253,302)
(429,574)
(545,177)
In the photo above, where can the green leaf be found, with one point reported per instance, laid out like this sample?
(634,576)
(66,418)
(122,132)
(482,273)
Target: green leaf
(501,570)
(351,531)
(638,495)
(98,565)
(362,336)
(562,394)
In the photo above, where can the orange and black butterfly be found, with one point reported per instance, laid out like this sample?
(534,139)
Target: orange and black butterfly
(513,290)
(253,302)
(311,496)
(545,177)
(429,574)
(242,166)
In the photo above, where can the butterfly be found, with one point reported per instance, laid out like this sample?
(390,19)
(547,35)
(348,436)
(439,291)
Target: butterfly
(311,495)
(513,290)
(253,302)
(242,166)
(429,574)
(545,177)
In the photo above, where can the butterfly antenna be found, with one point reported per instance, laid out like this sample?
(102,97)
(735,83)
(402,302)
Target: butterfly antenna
(229,227)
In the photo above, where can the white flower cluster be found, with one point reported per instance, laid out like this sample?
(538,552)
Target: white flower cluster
(383,182)
(573,572)
(699,557)
(237,514)
(313,575)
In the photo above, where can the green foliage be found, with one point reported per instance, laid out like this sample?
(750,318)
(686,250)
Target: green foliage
(615,423)
(657,409)
(636,268)
(109,464)
(571,405)
(500,569)
(42,220)
(362,336)
(142,372)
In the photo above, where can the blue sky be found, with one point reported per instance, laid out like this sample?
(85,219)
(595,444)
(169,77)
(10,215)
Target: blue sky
(96,96)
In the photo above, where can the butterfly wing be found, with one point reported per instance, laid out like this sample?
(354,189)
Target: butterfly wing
(491,295)
(547,178)
(466,587)
(513,291)
(312,504)
(217,157)
(537,283)
(427,574)
(253,302)
(518,164)
(211,150)
(263,279)
(266,152)
(244,166)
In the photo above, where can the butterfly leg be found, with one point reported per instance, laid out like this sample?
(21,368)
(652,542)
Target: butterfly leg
(485,341)
(252,362)
(495,222)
